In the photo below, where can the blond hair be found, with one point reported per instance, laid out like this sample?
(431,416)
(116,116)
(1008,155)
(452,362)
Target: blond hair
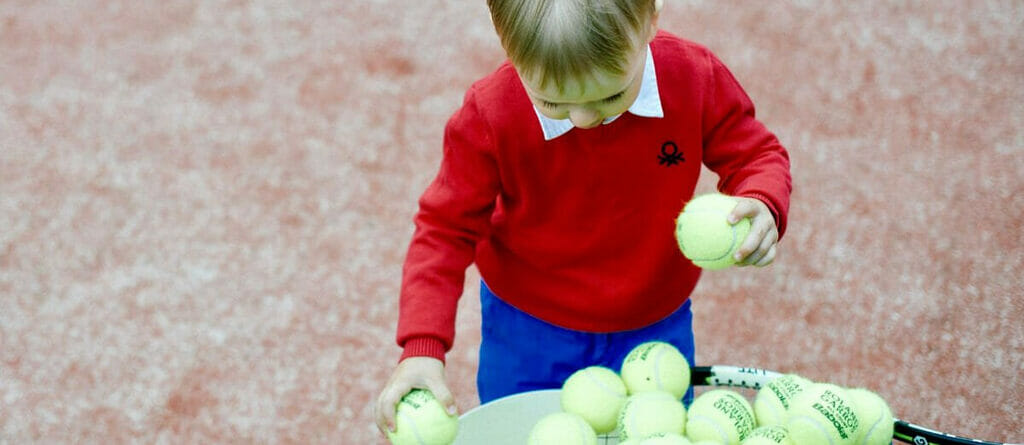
(557,40)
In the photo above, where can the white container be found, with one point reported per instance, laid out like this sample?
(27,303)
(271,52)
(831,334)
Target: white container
(508,420)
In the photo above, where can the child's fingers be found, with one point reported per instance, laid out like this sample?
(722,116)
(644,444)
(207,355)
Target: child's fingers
(763,255)
(386,404)
(388,400)
(745,208)
(768,257)
(761,238)
(443,395)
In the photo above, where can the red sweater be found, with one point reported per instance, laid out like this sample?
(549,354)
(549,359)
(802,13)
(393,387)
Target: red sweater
(578,230)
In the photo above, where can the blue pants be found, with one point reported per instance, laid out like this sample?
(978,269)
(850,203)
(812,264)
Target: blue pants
(520,353)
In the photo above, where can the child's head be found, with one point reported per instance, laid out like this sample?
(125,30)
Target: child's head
(577,51)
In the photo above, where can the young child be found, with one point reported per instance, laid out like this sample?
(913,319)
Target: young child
(562,175)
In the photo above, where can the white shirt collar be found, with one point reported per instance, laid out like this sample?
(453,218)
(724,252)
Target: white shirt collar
(647,104)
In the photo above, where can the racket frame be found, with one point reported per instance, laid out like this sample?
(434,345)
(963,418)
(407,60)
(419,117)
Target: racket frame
(756,378)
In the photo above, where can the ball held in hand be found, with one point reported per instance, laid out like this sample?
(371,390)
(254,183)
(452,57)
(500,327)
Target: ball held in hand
(704,233)
(420,419)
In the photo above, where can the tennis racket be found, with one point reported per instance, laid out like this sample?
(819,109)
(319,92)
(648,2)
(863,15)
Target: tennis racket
(754,378)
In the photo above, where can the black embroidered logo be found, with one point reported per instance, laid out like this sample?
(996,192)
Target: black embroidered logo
(668,158)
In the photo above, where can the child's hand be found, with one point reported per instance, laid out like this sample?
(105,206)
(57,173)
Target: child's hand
(413,372)
(759,247)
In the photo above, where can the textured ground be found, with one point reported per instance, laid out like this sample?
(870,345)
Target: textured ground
(204,206)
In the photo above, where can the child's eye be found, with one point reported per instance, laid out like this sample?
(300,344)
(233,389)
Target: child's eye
(547,104)
(611,99)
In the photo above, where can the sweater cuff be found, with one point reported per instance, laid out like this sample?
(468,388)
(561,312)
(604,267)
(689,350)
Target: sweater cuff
(423,347)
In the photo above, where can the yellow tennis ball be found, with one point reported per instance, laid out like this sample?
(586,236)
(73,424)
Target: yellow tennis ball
(768,435)
(596,394)
(656,366)
(774,398)
(562,428)
(649,413)
(720,415)
(876,420)
(704,233)
(666,439)
(822,415)
(421,420)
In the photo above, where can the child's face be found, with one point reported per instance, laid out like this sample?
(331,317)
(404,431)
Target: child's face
(589,101)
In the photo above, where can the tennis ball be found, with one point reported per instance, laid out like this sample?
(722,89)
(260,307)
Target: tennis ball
(822,415)
(876,421)
(768,435)
(656,366)
(562,428)
(666,439)
(773,399)
(421,420)
(650,413)
(704,233)
(597,394)
(721,415)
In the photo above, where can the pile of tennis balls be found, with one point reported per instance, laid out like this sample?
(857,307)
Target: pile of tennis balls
(643,405)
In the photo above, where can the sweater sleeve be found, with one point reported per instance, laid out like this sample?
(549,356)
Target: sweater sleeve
(454,214)
(748,158)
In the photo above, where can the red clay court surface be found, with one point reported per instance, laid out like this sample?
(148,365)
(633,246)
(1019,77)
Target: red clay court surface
(204,207)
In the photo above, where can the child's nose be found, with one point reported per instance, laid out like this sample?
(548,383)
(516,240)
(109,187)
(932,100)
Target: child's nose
(585,117)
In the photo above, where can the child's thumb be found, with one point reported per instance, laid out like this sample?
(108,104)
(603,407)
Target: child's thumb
(742,210)
(444,396)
